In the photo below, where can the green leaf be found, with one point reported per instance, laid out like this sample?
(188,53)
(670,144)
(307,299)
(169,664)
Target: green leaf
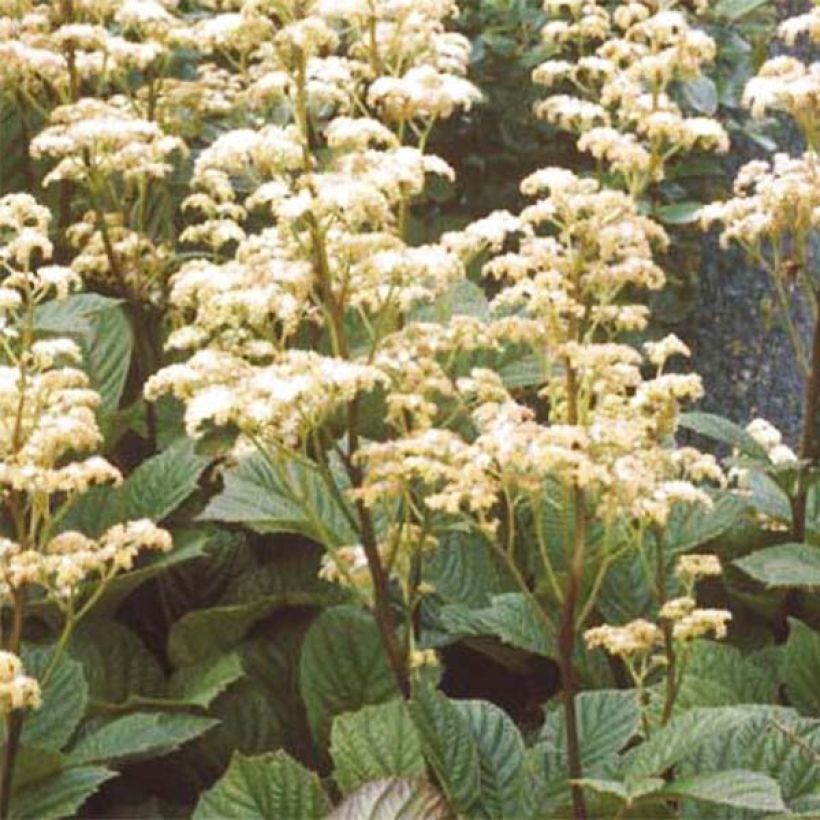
(721,429)
(393,799)
(702,94)
(682,736)
(801,667)
(200,683)
(295,500)
(188,545)
(162,483)
(448,746)
(772,740)
(501,759)
(154,490)
(343,667)
(680,213)
(733,10)
(784,565)
(377,741)
(607,720)
(291,581)
(740,789)
(32,763)
(116,663)
(64,696)
(138,736)
(720,675)
(690,526)
(101,328)
(510,618)
(59,796)
(269,786)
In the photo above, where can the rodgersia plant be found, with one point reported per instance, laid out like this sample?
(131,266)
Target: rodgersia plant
(367,448)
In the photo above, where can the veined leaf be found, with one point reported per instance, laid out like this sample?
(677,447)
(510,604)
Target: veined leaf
(739,788)
(784,565)
(375,742)
(269,786)
(722,429)
(501,760)
(510,618)
(448,745)
(296,500)
(343,667)
(64,696)
(141,735)
(61,795)
(801,668)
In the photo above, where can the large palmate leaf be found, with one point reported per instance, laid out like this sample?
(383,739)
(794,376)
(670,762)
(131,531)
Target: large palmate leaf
(138,736)
(375,742)
(64,696)
(784,565)
(501,760)
(294,499)
(60,795)
(269,786)
(393,799)
(448,745)
(343,667)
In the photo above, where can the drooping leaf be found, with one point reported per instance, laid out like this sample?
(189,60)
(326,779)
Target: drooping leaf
(64,699)
(60,795)
(269,786)
(375,742)
(392,799)
(343,667)
(501,760)
(448,745)
(138,736)
(784,565)
(296,500)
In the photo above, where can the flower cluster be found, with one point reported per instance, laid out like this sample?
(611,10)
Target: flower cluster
(48,425)
(17,690)
(619,90)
